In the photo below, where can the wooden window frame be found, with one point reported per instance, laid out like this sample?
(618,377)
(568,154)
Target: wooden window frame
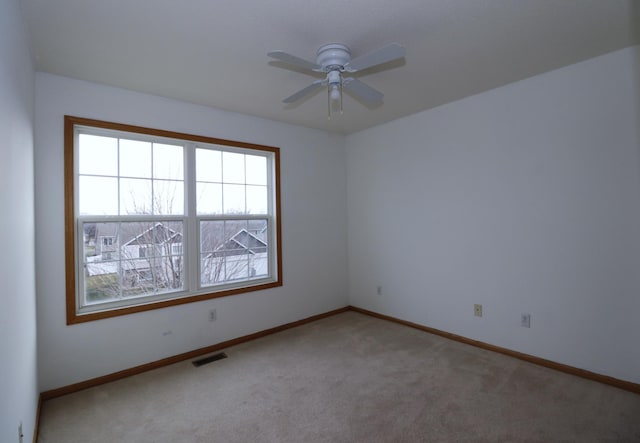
(74,316)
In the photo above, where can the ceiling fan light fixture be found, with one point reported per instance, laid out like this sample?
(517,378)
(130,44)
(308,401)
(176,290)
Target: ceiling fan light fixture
(335,99)
(334,88)
(334,93)
(334,80)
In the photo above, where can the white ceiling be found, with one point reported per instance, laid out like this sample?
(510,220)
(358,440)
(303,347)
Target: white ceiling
(214,52)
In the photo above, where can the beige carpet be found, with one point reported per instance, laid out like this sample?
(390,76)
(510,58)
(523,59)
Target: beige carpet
(347,378)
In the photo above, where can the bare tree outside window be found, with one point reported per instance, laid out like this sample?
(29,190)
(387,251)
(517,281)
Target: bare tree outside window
(144,260)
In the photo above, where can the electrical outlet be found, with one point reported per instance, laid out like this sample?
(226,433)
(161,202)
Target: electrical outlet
(379,290)
(477,310)
(525,320)
(212,314)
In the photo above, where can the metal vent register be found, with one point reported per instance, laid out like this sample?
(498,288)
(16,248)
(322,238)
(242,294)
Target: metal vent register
(211,358)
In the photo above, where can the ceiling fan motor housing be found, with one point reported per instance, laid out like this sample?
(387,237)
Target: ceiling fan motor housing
(333,56)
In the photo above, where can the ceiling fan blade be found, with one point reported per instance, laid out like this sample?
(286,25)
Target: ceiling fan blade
(293,60)
(385,54)
(313,87)
(362,91)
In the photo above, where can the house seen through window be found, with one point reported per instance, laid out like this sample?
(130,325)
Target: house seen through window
(161,218)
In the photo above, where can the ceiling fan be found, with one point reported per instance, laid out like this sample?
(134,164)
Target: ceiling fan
(334,60)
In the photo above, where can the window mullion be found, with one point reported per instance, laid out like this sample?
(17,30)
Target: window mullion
(271,204)
(191,254)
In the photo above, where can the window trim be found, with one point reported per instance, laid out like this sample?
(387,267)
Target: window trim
(70,219)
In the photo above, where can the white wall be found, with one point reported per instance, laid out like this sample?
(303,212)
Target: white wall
(525,199)
(18,381)
(313,183)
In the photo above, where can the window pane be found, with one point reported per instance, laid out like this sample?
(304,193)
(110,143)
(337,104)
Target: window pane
(100,259)
(259,266)
(98,195)
(256,170)
(237,266)
(148,265)
(169,260)
(168,197)
(97,155)
(211,269)
(259,262)
(208,165)
(168,161)
(137,257)
(236,249)
(89,240)
(228,249)
(235,232)
(135,196)
(234,199)
(211,257)
(101,283)
(258,228)
(257,200)
(211,236)
(209,198)
(135,158)
(232,167)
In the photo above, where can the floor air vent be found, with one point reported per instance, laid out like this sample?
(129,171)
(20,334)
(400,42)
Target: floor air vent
(211,358)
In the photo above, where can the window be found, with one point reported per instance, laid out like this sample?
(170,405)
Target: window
(156,218)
